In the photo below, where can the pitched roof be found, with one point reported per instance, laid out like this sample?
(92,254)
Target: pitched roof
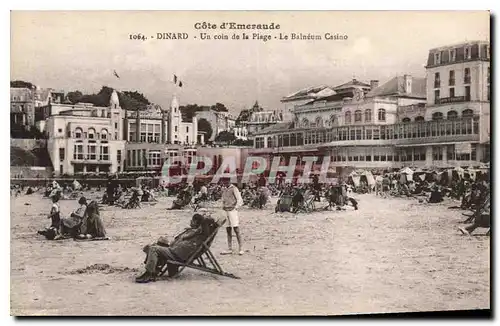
(282,126)
(309,92)
(395,87)
(351,83)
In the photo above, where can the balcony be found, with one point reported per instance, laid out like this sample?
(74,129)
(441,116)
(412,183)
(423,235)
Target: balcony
(454,99)
(91,158)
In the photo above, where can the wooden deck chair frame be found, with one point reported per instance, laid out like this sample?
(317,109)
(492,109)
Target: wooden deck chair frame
(197,259)
(307,205)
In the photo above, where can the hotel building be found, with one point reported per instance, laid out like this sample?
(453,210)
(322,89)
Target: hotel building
(407,121)
(83,138)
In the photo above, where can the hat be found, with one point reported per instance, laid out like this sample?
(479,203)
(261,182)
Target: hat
(82,200)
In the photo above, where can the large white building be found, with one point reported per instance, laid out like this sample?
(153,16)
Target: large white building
(155,134)
(83,138)
(433,122)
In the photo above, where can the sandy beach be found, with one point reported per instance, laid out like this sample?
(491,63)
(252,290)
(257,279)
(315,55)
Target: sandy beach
(391,255)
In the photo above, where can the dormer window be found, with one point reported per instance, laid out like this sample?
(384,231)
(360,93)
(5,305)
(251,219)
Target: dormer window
(467,52)
(437,58)
(453,55)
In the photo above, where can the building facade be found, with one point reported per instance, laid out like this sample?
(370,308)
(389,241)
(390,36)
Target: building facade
(86,139)
(219,121)
(407,121)
(155,134)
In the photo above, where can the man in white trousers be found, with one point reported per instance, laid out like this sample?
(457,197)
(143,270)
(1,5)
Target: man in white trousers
(231,201)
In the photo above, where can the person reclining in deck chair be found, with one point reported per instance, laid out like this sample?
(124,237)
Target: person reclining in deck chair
(183,198)
(134,201)
(482,218)
(183,246)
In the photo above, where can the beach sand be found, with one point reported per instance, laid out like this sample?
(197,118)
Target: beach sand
(391,255)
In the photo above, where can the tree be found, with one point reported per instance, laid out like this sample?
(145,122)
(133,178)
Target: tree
(21,84)
(219,107)
(241,142)
(128,100)
(74,97)
(225,137)
(205,126)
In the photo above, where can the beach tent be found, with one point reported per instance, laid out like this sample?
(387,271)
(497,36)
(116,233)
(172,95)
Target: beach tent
(76,185)
(406,175)
(369,178)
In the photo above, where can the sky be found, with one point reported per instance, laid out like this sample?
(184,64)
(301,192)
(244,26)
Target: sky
(79,50)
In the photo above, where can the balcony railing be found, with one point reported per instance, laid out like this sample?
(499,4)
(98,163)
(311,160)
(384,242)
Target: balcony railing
(91,157)
(454,99)
(438,131)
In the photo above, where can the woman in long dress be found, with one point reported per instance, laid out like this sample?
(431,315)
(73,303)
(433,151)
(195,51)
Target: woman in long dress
(92,224)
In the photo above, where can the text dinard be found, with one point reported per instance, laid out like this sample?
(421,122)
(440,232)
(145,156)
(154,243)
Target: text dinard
(232,25)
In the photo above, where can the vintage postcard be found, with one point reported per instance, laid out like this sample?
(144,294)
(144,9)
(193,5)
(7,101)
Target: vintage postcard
(180,163)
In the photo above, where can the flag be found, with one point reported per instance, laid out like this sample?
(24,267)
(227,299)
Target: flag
(177,79)
(116,75)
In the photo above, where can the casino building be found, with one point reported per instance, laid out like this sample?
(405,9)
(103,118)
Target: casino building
(442,120)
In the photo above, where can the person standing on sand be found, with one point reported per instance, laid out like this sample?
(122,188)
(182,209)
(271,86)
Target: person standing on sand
(231,201)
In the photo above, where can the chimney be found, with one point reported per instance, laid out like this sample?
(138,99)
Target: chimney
(373,84)
(407,84)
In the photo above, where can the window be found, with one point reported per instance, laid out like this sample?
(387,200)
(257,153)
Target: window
(91,133)
(119,155)
(187,128)
(116,125)
(348,117)
(104,153)
(78,152)
(357,116)
(453,55)
(467,93)
(305,123)
(487,51)
(468,113)
(187,139)
(134,156)
(437,116)
(381,115)
(467,76)
(451,80)
(59,130)
(467,52)
(452,92)
(437,153)
(419,119)
(104,134)
(259,142)
(452,115)
(436,96)
(437,58)
(175,128)
(91,151)
(488,80)
(61,154)
(437,80)
(368,115)
(406,120)
(319,122)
